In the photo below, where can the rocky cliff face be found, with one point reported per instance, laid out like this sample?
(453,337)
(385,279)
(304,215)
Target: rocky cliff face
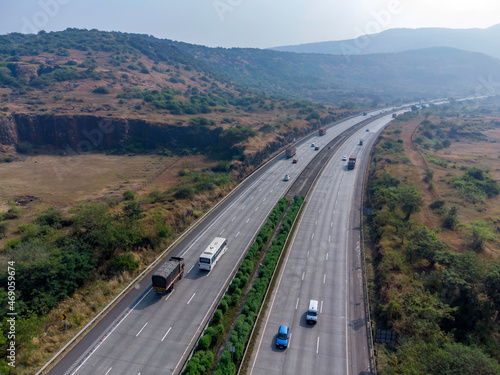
(85,133)
(78,134)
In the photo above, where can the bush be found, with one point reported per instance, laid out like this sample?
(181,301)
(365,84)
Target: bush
(184,193)
(125,262)
(217,317)
(204,342)
(223,306)
(3,228)
(101,90)
(437,204)
(128,195)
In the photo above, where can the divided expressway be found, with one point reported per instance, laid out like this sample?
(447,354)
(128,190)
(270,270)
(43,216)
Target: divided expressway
(147,333)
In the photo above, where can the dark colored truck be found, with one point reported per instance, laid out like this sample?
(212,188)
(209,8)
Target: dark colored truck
(290,151)
(322,131)
(165,277)
(351,162)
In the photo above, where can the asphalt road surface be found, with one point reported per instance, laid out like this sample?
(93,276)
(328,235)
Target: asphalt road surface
(148,333)
(323,263)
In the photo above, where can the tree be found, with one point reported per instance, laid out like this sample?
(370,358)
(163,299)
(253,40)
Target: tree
(411,200)
(450,219)
(477,234)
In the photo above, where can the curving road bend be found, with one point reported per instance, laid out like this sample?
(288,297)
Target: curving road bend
(146,333)
(323,263)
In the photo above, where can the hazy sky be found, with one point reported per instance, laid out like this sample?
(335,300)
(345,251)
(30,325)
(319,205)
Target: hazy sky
(245,23)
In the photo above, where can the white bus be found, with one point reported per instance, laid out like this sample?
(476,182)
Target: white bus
(212,253)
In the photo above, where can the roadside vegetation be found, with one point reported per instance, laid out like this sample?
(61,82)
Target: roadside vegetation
(75,262)
(434,242)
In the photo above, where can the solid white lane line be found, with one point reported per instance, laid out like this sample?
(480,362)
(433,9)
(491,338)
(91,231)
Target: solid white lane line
(317,346)
(321,308)
(141,329)
(191,268)
(297,304)
(166,334)
(107,372)
(191,298)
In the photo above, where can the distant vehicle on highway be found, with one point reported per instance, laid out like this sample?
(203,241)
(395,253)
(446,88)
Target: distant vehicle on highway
(295,161)
(367,130)
(352,162)
(316,148)
(286,178)
(283,337)
(312,144)
(344,158)
(290,151)
(365,113)
(361,142)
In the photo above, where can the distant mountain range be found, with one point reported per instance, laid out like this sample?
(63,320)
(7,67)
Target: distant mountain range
(486,41)
(117,73)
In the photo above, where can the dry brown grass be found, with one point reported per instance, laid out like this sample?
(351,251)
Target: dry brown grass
(63,182)
(484,154)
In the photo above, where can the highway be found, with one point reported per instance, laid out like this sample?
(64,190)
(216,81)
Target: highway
(323,263)
(147,333)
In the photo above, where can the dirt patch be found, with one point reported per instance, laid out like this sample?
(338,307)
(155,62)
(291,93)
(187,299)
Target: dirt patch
(169,177)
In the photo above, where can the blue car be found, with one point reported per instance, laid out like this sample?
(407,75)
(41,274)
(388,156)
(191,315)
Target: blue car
(283,337)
